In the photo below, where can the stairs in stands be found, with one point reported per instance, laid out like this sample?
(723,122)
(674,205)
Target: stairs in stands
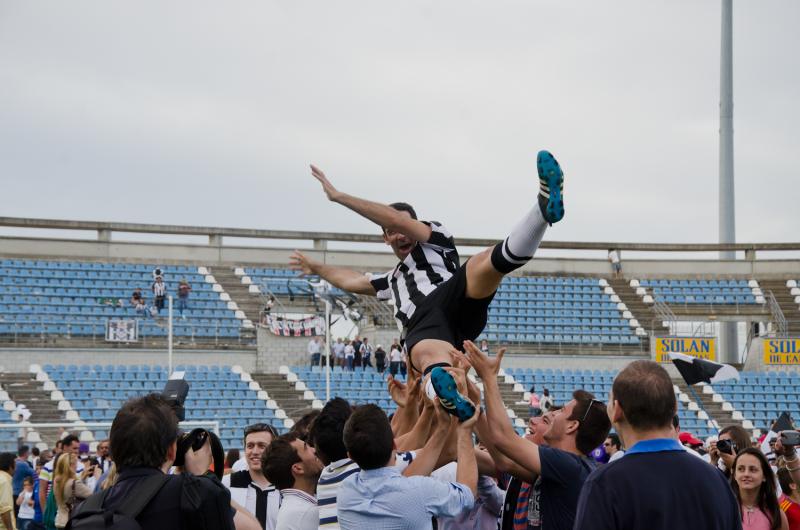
(786,302)
(513,399)
(284,393)
(642,312)
(239,293)
(714,409)
(23,388)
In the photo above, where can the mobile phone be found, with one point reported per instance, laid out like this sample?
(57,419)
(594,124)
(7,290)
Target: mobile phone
(790,438)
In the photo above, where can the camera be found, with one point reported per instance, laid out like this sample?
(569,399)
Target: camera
(727,447)
(175,392)
(790,438)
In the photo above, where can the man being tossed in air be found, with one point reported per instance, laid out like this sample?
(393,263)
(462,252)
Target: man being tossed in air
(439,302)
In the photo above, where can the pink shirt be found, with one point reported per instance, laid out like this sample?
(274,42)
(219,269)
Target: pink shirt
(754,520)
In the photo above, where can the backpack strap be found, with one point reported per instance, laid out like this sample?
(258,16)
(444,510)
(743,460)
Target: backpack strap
(148,489)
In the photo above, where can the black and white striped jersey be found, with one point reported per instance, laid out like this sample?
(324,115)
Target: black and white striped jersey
(425,268)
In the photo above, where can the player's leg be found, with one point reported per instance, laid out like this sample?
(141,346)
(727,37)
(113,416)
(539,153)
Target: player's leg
(485,271)
(430,357)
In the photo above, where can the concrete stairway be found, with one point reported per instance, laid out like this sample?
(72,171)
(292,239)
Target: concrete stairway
(23,388)
(513,399)
(642,312)
(248,303)
(714,410)
(786,302)
(284,394)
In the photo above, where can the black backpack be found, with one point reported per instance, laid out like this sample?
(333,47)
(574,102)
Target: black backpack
(92,516)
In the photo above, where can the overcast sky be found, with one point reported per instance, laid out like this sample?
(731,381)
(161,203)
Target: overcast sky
(209,113)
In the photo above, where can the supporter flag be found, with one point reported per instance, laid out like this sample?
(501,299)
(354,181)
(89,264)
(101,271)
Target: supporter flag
(695,370)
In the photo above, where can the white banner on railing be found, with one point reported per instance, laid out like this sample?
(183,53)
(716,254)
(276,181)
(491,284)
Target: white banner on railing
(296,327)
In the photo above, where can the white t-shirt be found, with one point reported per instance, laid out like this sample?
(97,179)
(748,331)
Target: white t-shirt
(616,456)
(349,351)
(298,511)
(395,355)
(25,510)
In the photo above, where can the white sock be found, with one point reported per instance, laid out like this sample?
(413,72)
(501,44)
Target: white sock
(519,247)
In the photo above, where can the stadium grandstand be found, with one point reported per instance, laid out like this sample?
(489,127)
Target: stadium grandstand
(75,345)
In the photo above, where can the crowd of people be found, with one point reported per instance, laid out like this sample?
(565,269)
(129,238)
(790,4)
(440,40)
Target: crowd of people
(359,353)
(160,292)
(583,464)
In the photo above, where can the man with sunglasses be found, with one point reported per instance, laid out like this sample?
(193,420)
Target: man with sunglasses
(249,487)
(557,470)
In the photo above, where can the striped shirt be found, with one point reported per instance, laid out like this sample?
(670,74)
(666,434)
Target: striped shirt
(332,477)
(263,504)
(427,266)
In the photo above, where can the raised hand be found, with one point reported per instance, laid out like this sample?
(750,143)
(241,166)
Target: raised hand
(299,262)
(332,193)
(484,366)
(397,390)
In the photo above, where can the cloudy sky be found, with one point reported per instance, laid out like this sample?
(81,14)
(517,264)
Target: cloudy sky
(209,113)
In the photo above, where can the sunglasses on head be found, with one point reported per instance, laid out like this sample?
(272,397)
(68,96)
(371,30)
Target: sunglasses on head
(260,427)
(591,402)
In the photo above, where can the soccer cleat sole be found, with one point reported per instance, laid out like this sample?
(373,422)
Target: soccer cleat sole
(552,178)
(449,396)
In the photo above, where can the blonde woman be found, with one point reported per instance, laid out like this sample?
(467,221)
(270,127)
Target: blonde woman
(68,489)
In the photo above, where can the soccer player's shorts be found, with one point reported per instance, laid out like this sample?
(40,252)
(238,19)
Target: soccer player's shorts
(447,314)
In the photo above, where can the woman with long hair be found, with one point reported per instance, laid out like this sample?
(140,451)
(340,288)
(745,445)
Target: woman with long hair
(68,489)
(753,483)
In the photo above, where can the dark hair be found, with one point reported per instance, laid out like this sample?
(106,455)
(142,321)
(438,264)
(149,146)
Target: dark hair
(23,450)
(404,207)
(739,436)
(785,480)
(303,425)
(28,480)
(231,457)
(644,391)
(69,440)
(7,461)
(277,461)
(767,493)
(368,437)
(59,443)
(35,451)
(259,427)
(676,422)
(327,431)
(594,423)
(142,432)
(615,441)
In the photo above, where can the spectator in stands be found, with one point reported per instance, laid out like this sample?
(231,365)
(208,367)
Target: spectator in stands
(6,494)
(616,263)
(546,403)
(69,445)
(656,485)
(558,470)
(68,487)
(753,483)
(485,346)
(395,358)
(403,363)
(250,488)
(534,405)
(366,353)
(183,296)
(357,351)
(613,447)
(349,355)
(314,348)
(379,496)
(22,470)
(338,352)
(734,439)
(789,500)
(25,505)
(138,301)
(293,467)
(380,359)
(159,293)
(143,438)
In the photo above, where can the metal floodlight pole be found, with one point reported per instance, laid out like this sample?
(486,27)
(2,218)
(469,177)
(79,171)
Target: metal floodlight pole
(169,335)
(727,212)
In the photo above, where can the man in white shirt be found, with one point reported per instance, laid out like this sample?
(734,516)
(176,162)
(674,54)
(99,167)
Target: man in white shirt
(314,349)
(613,447)
(249,487)
(292,465)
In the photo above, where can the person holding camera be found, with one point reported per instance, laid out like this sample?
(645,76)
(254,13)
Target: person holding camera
(144,441)
(732,440)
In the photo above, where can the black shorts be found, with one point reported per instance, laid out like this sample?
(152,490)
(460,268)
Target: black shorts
(447,314)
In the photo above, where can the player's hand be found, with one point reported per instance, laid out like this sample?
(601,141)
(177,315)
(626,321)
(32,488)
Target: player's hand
(332,193)
(485,367)
(397,390)
(300,262)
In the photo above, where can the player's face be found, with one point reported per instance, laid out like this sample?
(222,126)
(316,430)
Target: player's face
(401,244)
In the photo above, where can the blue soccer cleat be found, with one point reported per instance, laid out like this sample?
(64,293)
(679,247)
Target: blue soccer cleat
(449,396)
(551,187)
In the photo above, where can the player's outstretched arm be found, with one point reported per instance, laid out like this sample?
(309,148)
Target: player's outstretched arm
(341,277)
(381,214)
